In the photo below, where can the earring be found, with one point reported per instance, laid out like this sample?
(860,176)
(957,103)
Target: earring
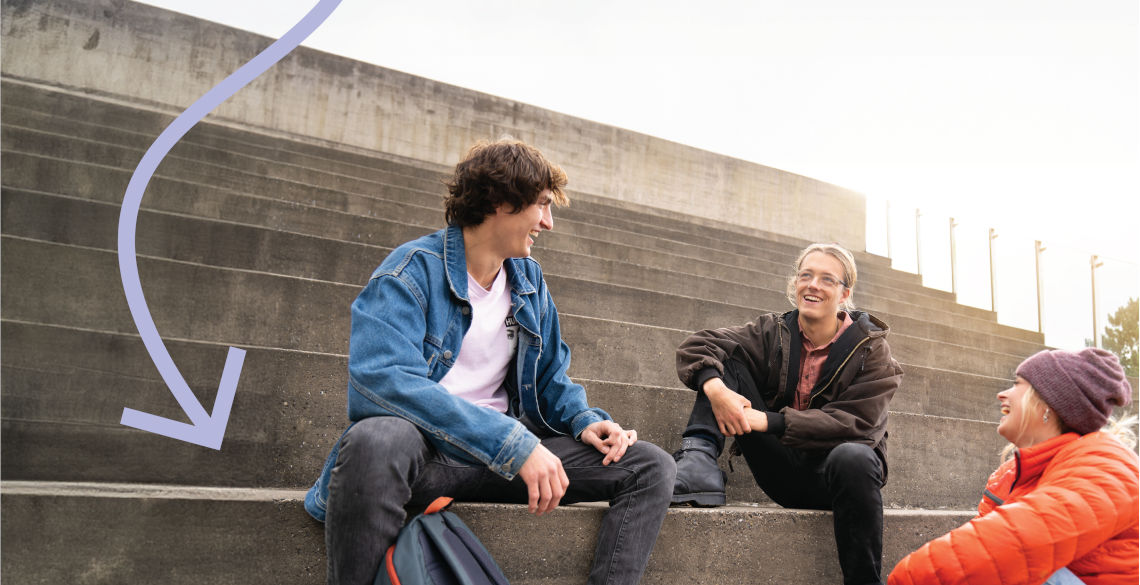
(1046,417)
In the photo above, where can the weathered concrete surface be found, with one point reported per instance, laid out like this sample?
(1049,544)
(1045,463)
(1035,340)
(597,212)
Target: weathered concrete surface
(61,420)
(206,536)
(86,180)
(261,241)
(170,60)
(106,534)
(78,128)
(81,290)
(625,283)
(71,127)
(418,200)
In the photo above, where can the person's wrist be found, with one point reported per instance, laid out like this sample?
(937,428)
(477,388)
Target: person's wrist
(713,386)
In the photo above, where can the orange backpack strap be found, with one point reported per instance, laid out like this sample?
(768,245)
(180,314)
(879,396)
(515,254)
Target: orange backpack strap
(395,579)
(438,505)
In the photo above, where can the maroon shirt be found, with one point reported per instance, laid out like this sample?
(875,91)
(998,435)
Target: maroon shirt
(812,361)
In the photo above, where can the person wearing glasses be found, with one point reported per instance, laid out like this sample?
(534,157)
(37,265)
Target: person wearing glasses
(805,394)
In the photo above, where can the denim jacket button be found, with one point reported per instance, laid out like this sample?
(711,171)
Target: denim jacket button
(465,310)
(447,355)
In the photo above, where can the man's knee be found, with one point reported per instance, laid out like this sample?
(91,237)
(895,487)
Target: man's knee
(387,436)
(738,378)
(657,461)
(854,463)
(654,464)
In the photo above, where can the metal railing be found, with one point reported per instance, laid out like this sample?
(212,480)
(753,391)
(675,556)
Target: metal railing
(1043,285)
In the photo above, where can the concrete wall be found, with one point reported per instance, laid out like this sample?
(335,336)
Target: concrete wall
(169,60)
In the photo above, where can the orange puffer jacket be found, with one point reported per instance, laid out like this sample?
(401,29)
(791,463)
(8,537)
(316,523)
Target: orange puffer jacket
(1071,501)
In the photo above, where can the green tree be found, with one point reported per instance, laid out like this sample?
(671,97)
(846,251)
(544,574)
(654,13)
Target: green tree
(1120,336)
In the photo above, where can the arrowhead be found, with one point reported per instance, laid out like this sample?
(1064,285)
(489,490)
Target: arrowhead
(208,431)
(204,429)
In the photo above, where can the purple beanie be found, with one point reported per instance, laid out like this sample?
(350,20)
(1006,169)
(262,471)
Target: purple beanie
(1082,387)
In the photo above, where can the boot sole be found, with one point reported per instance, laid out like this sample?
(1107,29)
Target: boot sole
(700,500)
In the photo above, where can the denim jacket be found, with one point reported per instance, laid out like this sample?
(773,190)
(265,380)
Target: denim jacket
(407,327)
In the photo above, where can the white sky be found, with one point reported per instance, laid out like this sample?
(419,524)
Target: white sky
(1018,115)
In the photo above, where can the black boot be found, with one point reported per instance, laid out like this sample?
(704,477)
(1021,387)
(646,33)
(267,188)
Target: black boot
(699,481)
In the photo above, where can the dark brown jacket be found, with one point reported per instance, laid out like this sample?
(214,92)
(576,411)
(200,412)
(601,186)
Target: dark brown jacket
(848,403)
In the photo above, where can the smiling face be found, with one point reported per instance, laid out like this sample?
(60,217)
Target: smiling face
(1023,415)
(819,287)
(515,232)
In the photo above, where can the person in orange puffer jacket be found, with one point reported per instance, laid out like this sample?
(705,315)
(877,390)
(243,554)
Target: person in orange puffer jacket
(1064,509)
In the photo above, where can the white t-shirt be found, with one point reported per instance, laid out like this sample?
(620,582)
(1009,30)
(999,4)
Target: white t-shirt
(488,346)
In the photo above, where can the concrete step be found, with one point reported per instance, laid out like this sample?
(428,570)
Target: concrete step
(72,115)
(223,145)
(105,118)
(229,306)
(327,157)
(173,535)
(680,311)
(354,225)
(61,419)
(262,241)
(643,354)
(54,121)
(226,244)
(430,216)
(257,177)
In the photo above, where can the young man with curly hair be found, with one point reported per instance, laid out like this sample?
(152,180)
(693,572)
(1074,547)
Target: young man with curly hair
(458,386)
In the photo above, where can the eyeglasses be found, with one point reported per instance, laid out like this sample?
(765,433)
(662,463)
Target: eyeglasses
(826,279)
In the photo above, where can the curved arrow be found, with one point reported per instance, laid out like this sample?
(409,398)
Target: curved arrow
(204,429)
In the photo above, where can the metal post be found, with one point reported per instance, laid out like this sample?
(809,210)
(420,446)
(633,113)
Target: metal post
(953,259)
(917,243)
(1093,265)
(888,212)
(993,274)
(1037,250)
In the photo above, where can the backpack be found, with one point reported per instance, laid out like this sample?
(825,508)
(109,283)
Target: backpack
(437,548)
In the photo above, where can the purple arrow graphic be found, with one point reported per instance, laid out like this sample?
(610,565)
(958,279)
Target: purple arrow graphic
(204,429)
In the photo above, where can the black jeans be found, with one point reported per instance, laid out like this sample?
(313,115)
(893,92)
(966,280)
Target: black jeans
(847,480)
(386,469)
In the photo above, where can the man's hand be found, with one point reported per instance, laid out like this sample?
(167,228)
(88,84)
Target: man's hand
(757,419)
(609,438)
(545,480)
(728,407)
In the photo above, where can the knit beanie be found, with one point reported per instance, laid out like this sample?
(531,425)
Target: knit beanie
(1082,387)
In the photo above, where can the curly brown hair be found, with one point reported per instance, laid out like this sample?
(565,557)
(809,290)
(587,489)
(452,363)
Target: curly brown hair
(506,171)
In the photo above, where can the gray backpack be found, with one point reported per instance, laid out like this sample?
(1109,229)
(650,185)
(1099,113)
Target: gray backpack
(437,548)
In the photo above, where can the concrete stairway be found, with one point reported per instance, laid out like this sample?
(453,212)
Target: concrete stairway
(262,241)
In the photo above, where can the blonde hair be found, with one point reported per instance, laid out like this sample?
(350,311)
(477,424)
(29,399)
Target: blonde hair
(1123,429)
(1031,404)
(850,273)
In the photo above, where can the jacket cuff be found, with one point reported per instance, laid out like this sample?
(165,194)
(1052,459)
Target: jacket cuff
(516,450)
(776,423)
(704,375)
(586,418)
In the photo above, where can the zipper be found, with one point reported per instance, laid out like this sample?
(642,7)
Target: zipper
(993,497)
(838,370)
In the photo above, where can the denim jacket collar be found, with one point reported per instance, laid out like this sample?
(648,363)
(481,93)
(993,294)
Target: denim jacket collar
(455,261)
